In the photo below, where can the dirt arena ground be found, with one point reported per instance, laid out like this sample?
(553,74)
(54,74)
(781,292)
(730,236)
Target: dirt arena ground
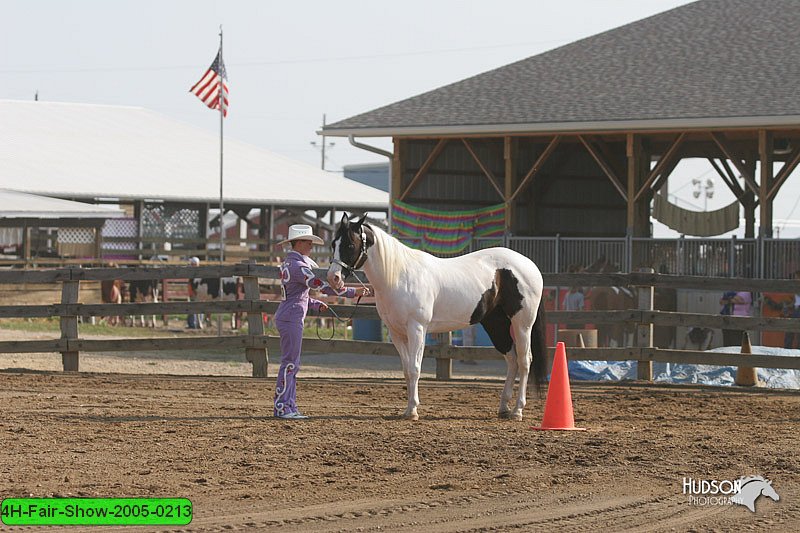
(354,466)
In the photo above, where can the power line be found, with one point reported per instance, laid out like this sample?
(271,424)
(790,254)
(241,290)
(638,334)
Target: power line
(36,70)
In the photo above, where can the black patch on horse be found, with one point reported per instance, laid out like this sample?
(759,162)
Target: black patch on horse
(510,297)
(484,305)
(229,286)
(498,326)
(497,305)
(141,289)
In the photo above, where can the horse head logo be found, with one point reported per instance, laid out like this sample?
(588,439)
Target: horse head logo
(751,488)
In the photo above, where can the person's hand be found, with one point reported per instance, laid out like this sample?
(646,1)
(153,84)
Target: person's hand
(323,307)
(362,291)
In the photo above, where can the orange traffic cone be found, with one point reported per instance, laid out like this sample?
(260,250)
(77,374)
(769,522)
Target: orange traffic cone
(746,376)
(558,406)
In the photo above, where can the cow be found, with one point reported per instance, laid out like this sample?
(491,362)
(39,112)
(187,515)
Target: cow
(207,289)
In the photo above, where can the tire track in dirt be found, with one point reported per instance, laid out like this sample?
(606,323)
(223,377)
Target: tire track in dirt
(491,511)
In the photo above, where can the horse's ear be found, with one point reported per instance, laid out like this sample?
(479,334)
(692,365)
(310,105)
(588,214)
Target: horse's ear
(345,220)
(358,223)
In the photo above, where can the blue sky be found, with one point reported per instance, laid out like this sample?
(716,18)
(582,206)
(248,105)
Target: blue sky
(288,62)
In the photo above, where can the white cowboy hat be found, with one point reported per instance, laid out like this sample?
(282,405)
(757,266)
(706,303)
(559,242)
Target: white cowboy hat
(301,232)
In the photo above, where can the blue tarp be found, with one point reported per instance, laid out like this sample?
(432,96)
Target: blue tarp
(682,373)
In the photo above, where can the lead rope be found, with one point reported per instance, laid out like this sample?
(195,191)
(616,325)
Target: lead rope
(340,319)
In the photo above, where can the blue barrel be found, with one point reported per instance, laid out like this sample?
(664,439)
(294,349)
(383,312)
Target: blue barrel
(367,330)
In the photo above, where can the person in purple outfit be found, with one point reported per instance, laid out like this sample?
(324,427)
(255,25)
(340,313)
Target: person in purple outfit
(297,278)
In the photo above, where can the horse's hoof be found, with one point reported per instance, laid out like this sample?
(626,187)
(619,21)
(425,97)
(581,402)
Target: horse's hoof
(515,416)
(504,415)
(410,416)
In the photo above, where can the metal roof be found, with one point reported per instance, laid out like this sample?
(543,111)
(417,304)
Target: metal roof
(15,204)
(91,152)
(712,63)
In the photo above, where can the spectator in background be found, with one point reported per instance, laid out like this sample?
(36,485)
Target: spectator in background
(735,304)
(574,300)
(111,293)
(791,339)
(193,321)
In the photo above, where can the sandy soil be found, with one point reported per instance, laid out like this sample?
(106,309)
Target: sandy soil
(354,466)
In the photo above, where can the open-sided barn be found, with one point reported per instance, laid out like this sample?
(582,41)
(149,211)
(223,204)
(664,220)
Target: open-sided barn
(579,140)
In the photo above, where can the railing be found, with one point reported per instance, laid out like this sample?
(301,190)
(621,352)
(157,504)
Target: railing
(255,344)
(748,258)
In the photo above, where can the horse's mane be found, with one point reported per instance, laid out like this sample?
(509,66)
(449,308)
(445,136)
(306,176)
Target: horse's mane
(394,255)
(748,479)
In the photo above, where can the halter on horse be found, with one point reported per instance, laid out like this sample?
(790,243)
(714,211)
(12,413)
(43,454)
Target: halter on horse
(417,293)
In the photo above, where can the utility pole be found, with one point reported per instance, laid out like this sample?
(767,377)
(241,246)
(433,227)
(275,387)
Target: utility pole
(323,144)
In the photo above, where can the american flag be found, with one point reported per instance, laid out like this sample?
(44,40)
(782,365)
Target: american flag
(207,89)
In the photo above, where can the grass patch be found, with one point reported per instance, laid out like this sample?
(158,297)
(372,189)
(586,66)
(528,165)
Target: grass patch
(176,326)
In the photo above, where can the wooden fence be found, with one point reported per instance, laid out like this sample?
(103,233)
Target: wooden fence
(256,344)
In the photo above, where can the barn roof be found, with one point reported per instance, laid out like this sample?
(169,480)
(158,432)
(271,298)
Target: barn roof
(14,204)
(712,63)
(91,152)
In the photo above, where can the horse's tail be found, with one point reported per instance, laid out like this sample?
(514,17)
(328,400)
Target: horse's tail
(539,348)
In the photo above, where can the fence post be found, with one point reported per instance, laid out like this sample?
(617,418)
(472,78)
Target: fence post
(69,323)
(644,332)
(255,327)
(444,367)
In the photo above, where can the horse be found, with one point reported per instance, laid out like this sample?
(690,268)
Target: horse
(751,488)
(417,293)
(111,293)
(611,299)
(207,289)
(143,291)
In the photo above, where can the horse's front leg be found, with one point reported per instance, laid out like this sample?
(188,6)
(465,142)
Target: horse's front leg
(508,388)
(415,348)
(400,342)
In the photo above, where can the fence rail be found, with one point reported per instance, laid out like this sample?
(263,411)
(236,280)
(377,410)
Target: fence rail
(256,344)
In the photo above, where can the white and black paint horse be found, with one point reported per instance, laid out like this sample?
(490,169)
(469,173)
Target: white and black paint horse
(417,293)
(144,291)
(207,289)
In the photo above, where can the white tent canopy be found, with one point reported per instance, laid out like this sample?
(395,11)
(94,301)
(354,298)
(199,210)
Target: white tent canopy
(17,205)
(98,152)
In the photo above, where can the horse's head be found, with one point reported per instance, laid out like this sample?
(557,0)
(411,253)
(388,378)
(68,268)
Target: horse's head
(769,492)
(349,247)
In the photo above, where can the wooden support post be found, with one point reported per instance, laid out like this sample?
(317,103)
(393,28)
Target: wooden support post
(510,154)
(26,246)
(396,177)
(98,245)
(69,324)
(444,367)
(644,332)
(749,200)
(255,325)
(765,148)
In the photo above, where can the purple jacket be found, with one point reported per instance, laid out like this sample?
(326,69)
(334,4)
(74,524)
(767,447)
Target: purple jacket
(297,279)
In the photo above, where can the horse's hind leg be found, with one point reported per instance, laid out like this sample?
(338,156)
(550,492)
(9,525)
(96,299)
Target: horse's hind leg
(498,327)
(522,338)
(414,351)
(508,388)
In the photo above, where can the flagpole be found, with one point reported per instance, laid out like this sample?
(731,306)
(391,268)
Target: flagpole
(221,198)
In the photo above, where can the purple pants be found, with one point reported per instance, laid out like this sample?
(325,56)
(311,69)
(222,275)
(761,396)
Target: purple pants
(286,387)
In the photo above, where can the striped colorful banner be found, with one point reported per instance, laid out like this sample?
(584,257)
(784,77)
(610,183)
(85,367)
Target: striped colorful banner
(445,232)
